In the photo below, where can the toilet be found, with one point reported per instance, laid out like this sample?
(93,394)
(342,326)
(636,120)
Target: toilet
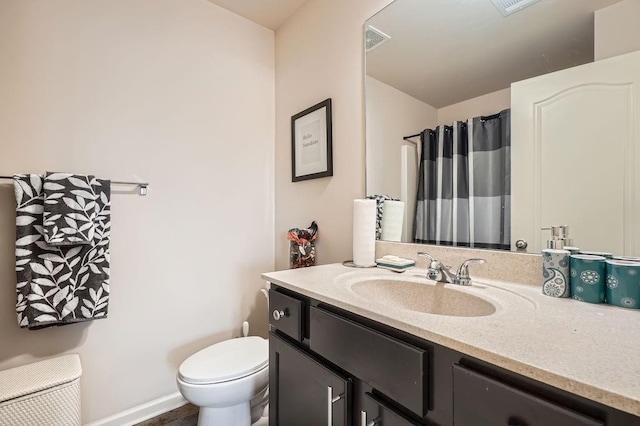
(229,381)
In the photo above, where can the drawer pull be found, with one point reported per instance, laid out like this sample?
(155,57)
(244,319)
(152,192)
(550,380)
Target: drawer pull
(330,401)
(363,420)
(514,421)
(277,314)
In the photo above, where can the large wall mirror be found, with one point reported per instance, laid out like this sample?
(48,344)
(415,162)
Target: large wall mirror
(487,123)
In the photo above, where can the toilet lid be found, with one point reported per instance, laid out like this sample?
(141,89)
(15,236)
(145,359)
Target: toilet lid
(224,361)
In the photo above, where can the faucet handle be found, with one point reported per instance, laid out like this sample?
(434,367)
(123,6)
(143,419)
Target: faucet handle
(423,254)
(462,277)
(433,262)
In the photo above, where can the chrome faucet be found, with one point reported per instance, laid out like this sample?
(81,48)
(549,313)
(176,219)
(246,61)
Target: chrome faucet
(437,271)
(442,273)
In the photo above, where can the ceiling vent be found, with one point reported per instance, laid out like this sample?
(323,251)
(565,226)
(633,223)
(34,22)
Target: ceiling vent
(374,38)
(508,7)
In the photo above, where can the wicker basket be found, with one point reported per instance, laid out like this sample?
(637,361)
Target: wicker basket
(45,393)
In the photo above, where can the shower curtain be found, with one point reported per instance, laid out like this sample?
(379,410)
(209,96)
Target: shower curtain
(464,185)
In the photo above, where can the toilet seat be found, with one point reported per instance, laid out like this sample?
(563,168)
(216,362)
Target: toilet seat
(226,361)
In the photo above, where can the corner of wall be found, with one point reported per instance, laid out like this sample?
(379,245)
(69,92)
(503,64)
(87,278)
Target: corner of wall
(319,55)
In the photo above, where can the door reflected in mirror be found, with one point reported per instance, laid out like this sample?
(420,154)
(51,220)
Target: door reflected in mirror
(487,128)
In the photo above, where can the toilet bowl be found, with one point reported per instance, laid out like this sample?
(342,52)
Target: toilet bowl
(228,381)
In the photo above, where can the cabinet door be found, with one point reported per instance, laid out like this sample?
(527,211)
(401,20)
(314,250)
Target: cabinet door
(302,391)
(378,413)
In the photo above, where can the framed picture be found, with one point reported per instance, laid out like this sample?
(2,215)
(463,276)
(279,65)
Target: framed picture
(311,150)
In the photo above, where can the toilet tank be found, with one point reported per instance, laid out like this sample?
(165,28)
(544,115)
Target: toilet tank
(44,393)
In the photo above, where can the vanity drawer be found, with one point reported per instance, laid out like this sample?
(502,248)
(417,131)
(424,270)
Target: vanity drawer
(482,401)
(394,368)
(286,314)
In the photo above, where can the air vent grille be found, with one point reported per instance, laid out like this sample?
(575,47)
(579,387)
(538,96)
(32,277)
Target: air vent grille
(508,7)
(374,38)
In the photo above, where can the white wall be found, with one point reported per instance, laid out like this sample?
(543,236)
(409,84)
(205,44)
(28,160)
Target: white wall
(489,104)
(319,55)
(617,30)
(179,93)
(391,115)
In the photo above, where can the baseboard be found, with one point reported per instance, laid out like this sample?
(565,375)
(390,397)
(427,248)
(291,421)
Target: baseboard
(143,412)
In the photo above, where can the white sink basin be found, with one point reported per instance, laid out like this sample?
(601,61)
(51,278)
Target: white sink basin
(425,297)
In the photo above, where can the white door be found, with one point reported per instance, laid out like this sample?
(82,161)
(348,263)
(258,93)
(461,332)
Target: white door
(575,148)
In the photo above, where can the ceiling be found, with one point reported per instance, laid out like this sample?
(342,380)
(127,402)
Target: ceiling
(269,13)
(447,51)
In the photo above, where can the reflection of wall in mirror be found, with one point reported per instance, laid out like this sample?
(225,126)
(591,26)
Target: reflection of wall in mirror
(392,166)
(391,115)
(488,104)
(617,30)
(576,139)
(601,225)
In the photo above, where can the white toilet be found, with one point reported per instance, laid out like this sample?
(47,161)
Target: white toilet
(229,381)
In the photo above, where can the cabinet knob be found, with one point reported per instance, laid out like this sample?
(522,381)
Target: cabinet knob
(277,314)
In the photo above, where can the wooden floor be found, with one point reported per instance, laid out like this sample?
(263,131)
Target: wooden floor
(185,416)
(192,420)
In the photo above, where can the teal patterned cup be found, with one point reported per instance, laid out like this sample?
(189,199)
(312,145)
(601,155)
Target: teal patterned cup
(623,283)
(604,254)
(588,278)
(630,259)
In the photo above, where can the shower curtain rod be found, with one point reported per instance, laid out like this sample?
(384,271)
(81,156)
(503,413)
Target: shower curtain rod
(407,138)
(141,185)
(482,118)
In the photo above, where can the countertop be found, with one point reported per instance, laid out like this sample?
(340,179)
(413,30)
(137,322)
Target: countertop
(589,350)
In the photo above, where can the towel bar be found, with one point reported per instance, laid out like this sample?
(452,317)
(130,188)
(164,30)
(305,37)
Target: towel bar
(141,185)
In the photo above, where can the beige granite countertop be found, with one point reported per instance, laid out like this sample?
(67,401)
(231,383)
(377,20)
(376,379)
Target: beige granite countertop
(589,350)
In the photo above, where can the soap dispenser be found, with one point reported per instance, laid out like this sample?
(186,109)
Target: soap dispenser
(559,237)
(555,263)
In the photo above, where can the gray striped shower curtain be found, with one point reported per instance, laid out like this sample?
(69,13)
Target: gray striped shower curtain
(464,185)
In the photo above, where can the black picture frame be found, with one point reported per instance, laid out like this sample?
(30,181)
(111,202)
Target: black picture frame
(312,150)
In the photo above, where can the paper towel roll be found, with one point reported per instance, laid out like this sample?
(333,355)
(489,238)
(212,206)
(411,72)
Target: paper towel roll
(364,232)
(392,220)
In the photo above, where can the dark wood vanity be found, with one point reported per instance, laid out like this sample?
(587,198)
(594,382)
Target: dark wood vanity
(329,366)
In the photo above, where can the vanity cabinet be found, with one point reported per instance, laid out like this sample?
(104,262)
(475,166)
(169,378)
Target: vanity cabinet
(329,366)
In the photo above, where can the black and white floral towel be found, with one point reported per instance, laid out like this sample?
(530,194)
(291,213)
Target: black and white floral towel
(69,209)
(380,199)
(60,285)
